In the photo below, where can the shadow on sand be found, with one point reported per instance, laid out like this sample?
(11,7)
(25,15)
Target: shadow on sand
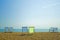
(25,35)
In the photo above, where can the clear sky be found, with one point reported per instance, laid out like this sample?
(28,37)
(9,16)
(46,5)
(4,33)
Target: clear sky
(39,13)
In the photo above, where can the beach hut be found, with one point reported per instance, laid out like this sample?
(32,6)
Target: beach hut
(8,29)
(53,29)
(24,29)
(31,29)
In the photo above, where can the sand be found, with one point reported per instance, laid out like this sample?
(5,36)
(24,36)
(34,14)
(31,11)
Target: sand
(27,36)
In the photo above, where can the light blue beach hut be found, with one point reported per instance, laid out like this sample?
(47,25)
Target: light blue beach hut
(8,29)
(24,29)
(53,29)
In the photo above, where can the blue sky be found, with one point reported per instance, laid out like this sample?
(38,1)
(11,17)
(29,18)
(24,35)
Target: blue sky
(39,13)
